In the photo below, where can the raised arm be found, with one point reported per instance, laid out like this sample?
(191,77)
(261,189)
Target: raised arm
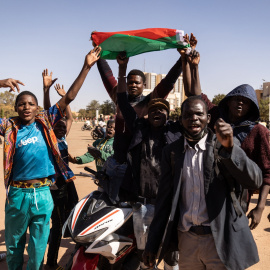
(194,59)
(191,78)
(90,59)
(109,81)
(186,69)
(126,109)
(69,116)
(47,83)
(11,83)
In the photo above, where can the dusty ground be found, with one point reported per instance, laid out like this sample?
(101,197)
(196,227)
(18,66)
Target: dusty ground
(78,141)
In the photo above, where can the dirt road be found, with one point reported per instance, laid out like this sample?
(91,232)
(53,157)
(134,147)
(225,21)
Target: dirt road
(77,142)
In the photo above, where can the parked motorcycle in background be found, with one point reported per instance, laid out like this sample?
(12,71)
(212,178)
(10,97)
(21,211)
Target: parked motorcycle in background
(103,232)
(98,133)
(86,127)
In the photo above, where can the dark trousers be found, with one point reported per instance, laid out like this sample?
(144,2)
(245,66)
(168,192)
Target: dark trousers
(58,219)
(64,198)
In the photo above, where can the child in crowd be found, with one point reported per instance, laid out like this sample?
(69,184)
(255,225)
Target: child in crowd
(101,150)
(64,194)
(31,161)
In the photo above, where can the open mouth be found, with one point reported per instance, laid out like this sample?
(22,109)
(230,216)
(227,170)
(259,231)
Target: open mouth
(26,114)
(156,118)
(110,133)
(194,127)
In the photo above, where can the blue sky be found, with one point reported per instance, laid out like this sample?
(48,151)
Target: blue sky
(233,40)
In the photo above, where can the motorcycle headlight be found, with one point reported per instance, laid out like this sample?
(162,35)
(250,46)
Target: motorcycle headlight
(89,238)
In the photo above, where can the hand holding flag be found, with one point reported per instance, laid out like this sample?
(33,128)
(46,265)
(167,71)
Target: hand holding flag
(135,42)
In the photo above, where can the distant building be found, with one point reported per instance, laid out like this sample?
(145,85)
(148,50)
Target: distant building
(266,89)
(259,94)
(175,97)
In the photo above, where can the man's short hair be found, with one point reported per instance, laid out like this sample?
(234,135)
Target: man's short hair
(193,98)
(137,72)
(25,93)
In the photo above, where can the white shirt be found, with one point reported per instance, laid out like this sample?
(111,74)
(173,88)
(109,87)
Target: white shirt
(193,210)
(101,123)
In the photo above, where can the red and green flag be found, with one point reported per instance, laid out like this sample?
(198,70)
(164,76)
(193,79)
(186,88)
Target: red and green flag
(135,42)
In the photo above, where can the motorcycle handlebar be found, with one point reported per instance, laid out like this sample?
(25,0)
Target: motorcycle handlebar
(90,170)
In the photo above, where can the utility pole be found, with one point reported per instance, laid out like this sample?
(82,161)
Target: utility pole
(144,65)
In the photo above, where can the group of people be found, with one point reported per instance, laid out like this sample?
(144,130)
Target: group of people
(189,181)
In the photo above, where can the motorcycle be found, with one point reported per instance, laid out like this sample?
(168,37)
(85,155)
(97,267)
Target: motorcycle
(102,231)
(97,133)
(86,127)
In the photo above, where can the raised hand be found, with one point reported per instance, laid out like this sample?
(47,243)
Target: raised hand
(94,152)
(60,90)
(194,58)
(193,41)
(122,59)
(224,134)
(12,84)
(47,79)
(182,51)
(92,57)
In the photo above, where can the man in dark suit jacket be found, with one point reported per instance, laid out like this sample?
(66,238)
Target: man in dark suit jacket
(212,229)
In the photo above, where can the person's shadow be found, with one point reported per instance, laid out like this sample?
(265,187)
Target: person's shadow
(255,201)
(69,245)
(3,264)
(267,204)
(2,238)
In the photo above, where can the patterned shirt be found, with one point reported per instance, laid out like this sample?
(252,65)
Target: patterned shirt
(9,129)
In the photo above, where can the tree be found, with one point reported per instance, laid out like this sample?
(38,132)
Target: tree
(82,113)
(92,107)
(107,108)
(174,115)
(7,98)
(218,98)
(7,111)
(264,109)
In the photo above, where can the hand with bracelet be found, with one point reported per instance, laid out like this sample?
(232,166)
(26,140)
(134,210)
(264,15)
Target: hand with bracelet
(122,61)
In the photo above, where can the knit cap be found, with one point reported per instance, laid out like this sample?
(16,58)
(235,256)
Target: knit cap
(159,102)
